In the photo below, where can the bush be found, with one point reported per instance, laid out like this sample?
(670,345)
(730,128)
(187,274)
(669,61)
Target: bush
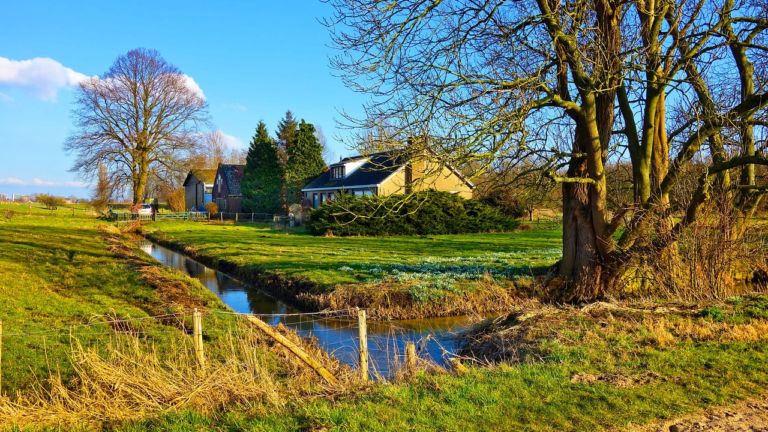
(50,202)
(212,207)
(177,200)
(506,201)
(422,213)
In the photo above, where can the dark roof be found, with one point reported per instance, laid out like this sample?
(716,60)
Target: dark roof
(206,176)
(232,174)
(374,171)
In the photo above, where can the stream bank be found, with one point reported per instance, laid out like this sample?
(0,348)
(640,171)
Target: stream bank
(383,300)
(435,337)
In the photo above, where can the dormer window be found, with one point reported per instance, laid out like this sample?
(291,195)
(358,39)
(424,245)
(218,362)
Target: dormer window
(337,172)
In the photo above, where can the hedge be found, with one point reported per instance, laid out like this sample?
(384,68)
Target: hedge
(421,213)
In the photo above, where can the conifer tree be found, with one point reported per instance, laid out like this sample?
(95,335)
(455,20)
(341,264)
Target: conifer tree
(286,135)
(262,181)
(305,161)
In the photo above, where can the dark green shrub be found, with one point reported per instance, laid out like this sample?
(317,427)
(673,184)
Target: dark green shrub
(422,213)
(506,201)
(712,312)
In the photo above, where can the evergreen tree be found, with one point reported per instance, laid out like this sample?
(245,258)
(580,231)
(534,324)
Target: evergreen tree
(286,135)
(305,161)
(262,181)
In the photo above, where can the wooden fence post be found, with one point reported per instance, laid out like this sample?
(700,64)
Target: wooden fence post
(295,349)
(251,217)
(237,217)
(197,337)
(410,357)
(1,358)
(362,329)
(221,216)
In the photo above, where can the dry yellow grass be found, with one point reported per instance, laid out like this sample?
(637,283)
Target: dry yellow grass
(665,332)
(658,332)
(129,380)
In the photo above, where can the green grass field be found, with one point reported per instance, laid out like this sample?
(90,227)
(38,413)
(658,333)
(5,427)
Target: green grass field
(399,277)
(56,271)
(588,373)
(334,260)
(57,276)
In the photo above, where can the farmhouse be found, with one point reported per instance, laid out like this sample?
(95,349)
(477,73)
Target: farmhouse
(226,187)
(384,173)
(198,188)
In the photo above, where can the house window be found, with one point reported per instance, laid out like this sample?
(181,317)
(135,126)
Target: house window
(315,201)
(337,172)
(330,196)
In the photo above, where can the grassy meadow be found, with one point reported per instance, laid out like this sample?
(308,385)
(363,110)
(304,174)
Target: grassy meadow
(93,328)
(334,260)
(56,271)
(540,368)
(572,370)
(393,277)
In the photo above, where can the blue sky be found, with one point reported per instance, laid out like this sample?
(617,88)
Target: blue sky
(253,60)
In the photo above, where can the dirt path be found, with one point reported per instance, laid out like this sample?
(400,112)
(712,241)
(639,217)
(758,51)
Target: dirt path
(750,415)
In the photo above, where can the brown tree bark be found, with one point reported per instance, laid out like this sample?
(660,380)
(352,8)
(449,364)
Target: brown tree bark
(587,244)
(581,265)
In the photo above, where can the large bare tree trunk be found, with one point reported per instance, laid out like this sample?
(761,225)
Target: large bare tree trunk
(140,180)
(581,268)
(586,237)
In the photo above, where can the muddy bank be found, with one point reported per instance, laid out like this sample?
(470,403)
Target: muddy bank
(382,301)
(175,293)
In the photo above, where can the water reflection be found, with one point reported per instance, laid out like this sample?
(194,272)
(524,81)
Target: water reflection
(386,340)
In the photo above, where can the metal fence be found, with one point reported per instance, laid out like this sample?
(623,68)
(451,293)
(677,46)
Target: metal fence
(279,221)
(130,217)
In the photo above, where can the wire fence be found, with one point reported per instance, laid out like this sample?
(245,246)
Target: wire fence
(338,333)
(280,221)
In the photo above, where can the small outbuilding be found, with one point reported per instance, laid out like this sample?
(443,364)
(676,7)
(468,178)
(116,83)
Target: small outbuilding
(226,188)
(198,188)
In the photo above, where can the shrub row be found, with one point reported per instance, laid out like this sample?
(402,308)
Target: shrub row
(421,213)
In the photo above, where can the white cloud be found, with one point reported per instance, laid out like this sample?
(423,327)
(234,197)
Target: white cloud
(192,85)
(42,182)
(231,141)
(43,76)
(11,181)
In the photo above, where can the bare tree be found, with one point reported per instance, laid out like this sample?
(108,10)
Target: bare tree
(215,147)
(138,120)
(212,149)
(573,85)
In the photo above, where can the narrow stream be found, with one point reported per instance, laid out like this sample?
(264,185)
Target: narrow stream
(386,340)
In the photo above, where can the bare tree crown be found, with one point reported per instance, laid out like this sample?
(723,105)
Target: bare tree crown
(138,120)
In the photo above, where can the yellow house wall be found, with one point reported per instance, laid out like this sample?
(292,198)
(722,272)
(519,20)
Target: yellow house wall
(426,177)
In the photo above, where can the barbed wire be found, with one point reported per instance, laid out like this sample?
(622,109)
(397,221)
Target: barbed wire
(335,332)
(93,323)
(71,327)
